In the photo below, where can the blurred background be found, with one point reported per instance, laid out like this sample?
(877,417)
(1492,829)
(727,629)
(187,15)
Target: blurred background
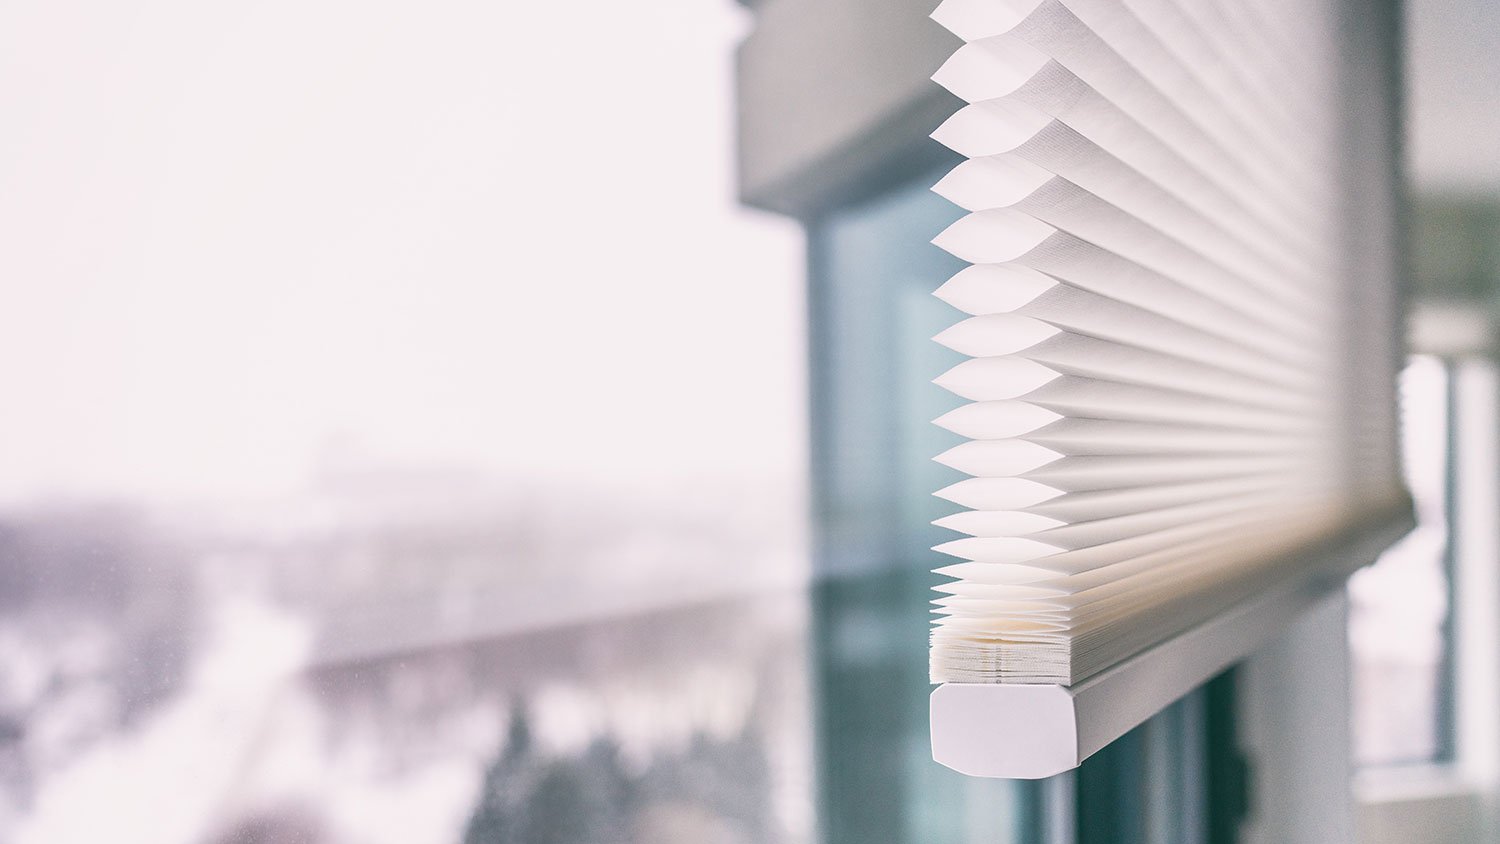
(463,422)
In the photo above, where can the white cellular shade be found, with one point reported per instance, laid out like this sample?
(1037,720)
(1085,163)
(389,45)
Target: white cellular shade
(1180,357)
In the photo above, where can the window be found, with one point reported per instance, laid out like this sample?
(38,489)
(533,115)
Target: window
(349,495)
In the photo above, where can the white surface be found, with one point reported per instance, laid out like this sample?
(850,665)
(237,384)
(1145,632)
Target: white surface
(1016,731)
(1453,80)
(1439,328)
(867,113)
(1294,727)
(1433,805)
(1477,573)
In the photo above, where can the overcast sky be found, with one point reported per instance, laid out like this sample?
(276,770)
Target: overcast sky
(444,231)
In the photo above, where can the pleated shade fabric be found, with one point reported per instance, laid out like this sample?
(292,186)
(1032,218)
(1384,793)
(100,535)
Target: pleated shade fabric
(1179,323)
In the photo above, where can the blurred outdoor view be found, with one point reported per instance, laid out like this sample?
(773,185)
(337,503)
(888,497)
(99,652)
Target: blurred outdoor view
(404,430)
(1399,607)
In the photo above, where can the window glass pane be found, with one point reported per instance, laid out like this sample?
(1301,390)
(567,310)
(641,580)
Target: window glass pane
(872,317)
(403,432)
